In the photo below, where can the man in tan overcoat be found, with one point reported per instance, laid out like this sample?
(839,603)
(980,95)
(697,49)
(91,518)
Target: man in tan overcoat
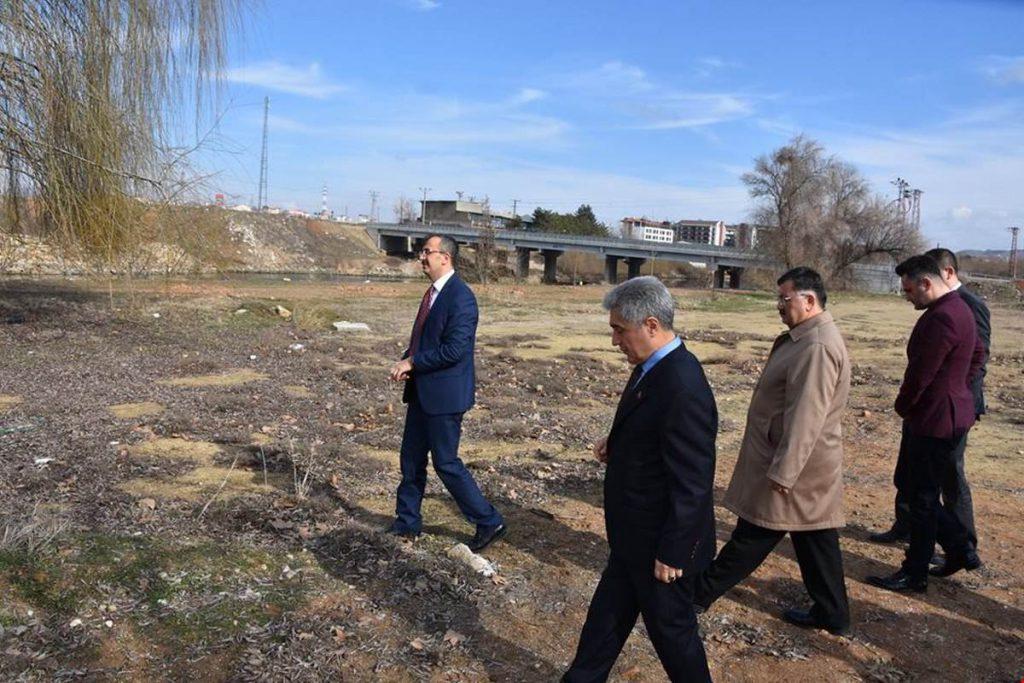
(789,473)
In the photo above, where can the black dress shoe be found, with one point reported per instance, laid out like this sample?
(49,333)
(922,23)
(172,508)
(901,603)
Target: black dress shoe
(485,535)
(804,619)
(901,582)
(952,564)
(407,534)
(893,535)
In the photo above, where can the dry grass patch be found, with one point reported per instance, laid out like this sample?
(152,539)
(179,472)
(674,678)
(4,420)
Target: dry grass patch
(297,391)
(198,452)
(130,411)
(7,401)
(227,379)
(203,482)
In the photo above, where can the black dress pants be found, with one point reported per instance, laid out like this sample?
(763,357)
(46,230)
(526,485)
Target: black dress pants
(956,492)
(931,461)
(625,592)
(817,553)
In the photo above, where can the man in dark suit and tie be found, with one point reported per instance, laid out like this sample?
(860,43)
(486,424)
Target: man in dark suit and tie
(944,354)
(440,385)
(956,492)
(658,506)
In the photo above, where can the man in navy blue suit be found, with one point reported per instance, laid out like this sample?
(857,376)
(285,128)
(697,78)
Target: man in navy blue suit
(658,504)
(440,385)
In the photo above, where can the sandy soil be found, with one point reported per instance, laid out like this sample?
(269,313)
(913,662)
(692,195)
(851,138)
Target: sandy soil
(192,493)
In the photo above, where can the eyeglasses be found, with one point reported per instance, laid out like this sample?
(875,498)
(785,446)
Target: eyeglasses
(783,300)
(428,252)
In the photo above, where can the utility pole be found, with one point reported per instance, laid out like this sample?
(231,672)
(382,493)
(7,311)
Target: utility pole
(323,203)
(515,203)
(1013,252)
(373,205)
(423,207)
(263,199)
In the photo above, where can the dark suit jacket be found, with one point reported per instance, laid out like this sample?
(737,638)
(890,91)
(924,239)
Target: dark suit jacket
(443,376)
(659,481)
(944,355)
(983,326)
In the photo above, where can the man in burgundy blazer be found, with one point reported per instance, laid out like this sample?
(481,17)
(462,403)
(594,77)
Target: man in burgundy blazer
(937,406)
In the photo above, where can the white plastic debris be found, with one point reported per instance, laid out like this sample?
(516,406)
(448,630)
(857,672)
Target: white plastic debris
(296,347)
(75,623)
(42,461)
(156,315)
(479,564)
(346,326)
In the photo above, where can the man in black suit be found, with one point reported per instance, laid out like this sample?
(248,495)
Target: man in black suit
(956,492)
(658,506)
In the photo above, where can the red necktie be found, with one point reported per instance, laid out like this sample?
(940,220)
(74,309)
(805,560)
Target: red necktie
(421,317)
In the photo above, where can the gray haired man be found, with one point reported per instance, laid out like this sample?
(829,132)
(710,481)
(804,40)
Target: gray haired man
(658,508)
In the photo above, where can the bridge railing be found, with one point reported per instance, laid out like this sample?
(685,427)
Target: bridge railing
(458,230)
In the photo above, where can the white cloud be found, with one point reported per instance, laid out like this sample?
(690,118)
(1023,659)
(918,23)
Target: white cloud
(709,66)
(527,95)
(610,79)
(1004,70)
(424,5)
(961,213)
(628,89)
(694,110)
(969,168)
(306,82)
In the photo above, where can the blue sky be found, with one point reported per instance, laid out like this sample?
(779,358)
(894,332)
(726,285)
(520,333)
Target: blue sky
(636,108)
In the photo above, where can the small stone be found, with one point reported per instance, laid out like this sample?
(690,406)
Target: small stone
(108,623)
(75,623)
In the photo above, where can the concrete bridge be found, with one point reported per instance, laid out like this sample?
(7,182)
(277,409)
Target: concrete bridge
(727,264)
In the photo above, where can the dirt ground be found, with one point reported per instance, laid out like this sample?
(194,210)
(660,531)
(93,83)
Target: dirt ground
(193,487)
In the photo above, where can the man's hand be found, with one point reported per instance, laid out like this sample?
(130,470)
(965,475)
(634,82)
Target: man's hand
(665,573)
(779,488)
(400,370)
(601,449)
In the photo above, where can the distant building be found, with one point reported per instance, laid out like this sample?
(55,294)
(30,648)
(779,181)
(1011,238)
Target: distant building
(741,236)
(700,232)
(241,207)
(715,233)
(473,214)
(644,228)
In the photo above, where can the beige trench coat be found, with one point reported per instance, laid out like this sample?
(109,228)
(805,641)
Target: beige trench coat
(793,434)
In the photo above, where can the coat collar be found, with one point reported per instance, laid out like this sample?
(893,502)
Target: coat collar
(632,397)
(804,328)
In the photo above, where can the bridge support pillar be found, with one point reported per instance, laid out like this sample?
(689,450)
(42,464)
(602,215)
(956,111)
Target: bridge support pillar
(550,264)
(634,267)
(611,269)
(522,263)
(734,277)
(394,245)
(734,274)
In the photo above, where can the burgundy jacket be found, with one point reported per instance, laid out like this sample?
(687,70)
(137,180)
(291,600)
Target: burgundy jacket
(944,355)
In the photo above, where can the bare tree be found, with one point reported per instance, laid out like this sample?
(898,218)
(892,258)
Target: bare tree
(90,91)
(486,246)
(404,209)
(820,211)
